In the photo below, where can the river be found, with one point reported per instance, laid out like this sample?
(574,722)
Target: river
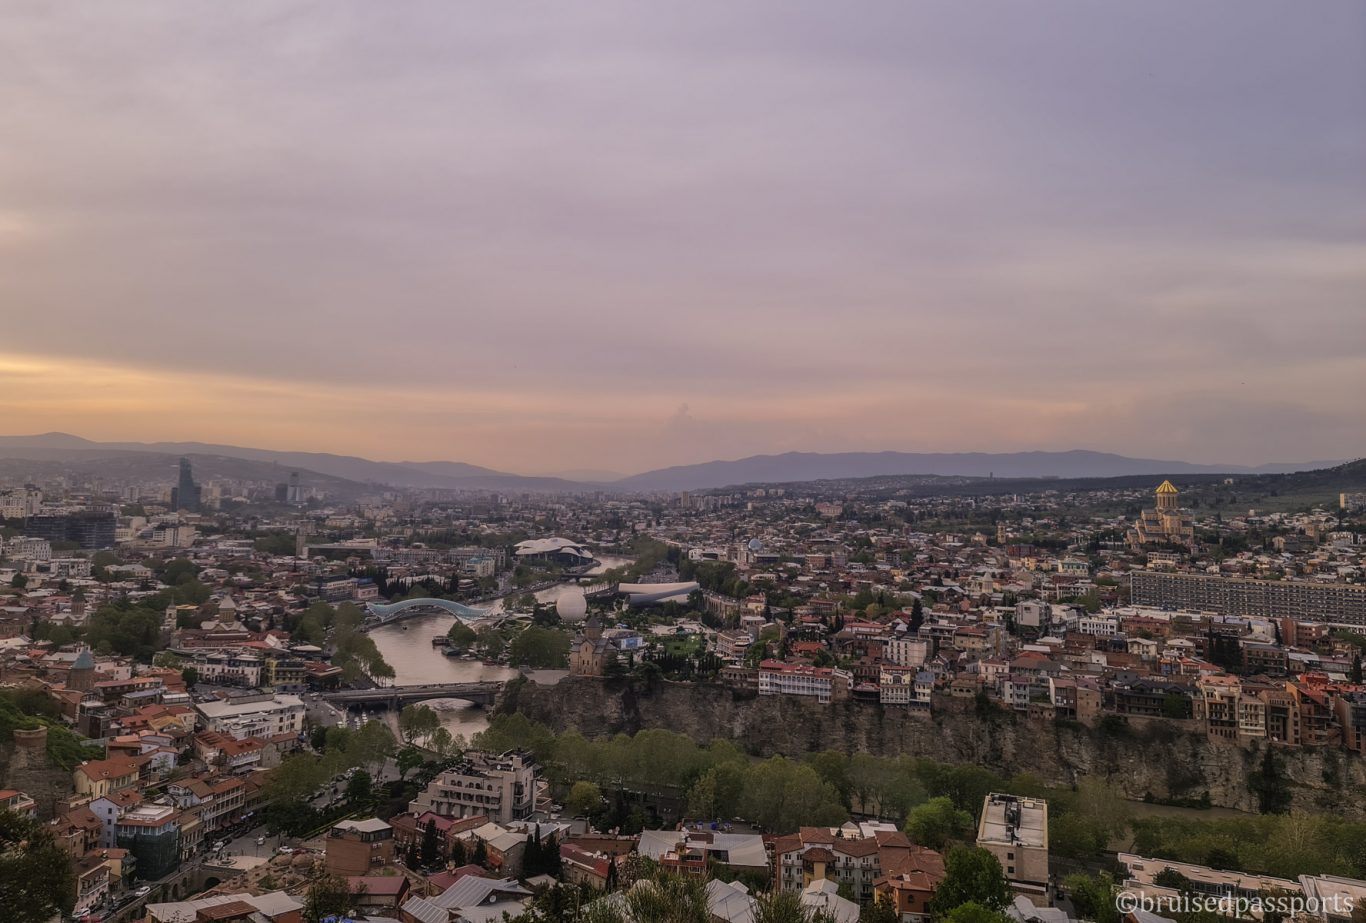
(407,646)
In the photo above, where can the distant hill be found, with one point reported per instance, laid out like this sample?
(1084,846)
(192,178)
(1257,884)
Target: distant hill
(590,475)
(758,469)
(812,466)
(153,467)
(447,475)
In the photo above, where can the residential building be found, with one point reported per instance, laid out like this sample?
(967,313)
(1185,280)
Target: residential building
(501,786)
(254,715)
(151,833)
(846,856)
(97,778)
(1015,831)
(825,684)
(910,884)
(1335,603)
(357,847)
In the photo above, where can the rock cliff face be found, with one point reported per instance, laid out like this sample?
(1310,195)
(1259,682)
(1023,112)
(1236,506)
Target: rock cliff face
(1140,758)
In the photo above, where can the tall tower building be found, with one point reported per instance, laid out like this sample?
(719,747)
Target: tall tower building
(185,495)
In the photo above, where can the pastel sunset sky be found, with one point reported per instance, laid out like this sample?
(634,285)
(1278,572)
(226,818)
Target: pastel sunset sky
(621,235)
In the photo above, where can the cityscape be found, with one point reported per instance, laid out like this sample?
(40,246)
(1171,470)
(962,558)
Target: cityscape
(832,699)
(683,463)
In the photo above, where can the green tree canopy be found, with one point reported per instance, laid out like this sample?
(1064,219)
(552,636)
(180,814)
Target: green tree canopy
(417,722)
(971,874)
(584,799)
(36,878)
(936,822)
(541,648)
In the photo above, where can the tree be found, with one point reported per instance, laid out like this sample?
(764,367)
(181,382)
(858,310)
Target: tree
(533,855)
(970,874)
(551,862)
(359,787)
(1171,878)
(1356,669)
(917,616)
(542,648)
(779,906)
(295,779)
(783,795)
(36,879)
(879,911)
(702,796)
(122,628)
(328,896)
(481,852)
(431,845)
(18,581)
(1094,898)
(458,856)
(973,912)
(417,721)
(441,742)
(461,635)
(491,643)
(936,822)
(190,675)
(584,799)
(408,759)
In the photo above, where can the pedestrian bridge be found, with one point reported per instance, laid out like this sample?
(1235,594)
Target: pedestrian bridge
(395,697)
(384,613)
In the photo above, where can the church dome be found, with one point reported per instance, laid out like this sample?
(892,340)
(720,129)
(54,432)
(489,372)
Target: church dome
(1166,488)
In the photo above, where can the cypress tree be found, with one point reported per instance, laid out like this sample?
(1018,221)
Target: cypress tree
(430,849)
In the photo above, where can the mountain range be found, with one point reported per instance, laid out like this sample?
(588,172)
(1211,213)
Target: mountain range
(756,469)
(815,466)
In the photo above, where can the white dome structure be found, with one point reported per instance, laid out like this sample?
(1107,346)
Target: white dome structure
(572,606)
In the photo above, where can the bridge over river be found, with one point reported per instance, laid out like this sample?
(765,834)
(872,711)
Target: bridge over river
(395,697)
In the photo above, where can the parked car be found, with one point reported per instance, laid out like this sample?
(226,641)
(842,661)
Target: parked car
(143,891)
(260,841)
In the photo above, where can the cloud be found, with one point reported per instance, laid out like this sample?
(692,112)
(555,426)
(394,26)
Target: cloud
(958,226)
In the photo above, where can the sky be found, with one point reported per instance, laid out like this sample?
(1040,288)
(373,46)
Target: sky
(618,235)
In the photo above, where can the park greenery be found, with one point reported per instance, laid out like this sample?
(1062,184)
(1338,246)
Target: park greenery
(936,803)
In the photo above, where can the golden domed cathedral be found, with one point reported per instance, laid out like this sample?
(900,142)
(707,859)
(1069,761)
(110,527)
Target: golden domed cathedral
(1167,524)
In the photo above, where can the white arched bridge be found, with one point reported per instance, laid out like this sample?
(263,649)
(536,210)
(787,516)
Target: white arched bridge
(384,613)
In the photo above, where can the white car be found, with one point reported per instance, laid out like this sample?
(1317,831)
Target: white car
(260,841)
(143,891)
(284,850)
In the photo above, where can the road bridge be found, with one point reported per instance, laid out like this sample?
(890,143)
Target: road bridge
(395,697)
